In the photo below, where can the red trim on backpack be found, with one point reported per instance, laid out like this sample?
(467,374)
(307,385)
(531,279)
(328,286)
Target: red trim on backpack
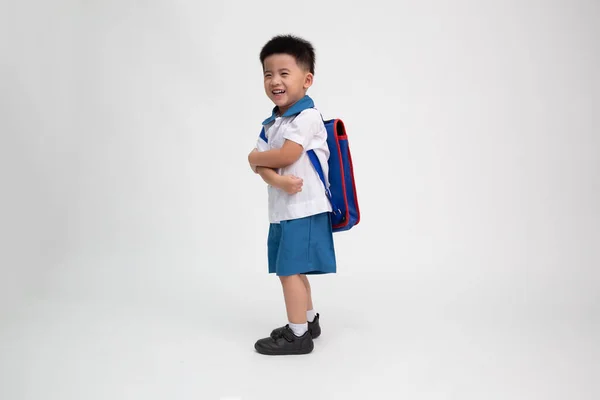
(354,186)
(337,141)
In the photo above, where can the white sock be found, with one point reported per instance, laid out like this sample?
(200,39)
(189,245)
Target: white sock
(310,315)
(299,329)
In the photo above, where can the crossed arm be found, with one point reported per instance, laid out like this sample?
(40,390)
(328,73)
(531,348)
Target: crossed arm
(264,163)
(277,158)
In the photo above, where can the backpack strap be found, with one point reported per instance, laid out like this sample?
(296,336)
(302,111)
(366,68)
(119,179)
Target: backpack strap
(317,164)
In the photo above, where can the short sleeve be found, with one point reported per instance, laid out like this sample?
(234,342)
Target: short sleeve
(304,127)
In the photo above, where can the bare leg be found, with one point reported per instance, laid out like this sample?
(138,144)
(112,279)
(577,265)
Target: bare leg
(296,298)
(309,303)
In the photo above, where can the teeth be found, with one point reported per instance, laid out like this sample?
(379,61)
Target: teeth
(278,91)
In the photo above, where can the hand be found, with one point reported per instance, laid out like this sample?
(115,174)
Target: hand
(252,166)
(291,184)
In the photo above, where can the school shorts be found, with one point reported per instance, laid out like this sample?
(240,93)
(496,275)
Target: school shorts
(301,246)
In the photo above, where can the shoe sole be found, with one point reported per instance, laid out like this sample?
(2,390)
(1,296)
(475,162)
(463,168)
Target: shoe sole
(287,353)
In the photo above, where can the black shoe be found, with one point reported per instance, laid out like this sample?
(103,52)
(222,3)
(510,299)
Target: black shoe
(313,328)
(285,343)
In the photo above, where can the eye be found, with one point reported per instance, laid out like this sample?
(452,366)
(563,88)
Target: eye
(284,73)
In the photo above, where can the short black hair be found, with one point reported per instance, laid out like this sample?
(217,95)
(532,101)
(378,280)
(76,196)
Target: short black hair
(302,50)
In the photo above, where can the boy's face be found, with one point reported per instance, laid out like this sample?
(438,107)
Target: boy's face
(285,81)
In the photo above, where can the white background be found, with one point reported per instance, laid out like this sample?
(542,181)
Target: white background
(133,234)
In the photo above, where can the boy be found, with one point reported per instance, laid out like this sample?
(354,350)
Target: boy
(300,239)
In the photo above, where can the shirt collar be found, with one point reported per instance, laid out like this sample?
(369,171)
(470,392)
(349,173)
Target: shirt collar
(296,108)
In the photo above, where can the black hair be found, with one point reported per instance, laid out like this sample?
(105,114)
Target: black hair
(302,50)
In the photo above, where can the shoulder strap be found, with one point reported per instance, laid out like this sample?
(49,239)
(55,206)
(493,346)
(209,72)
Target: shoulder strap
(317,164)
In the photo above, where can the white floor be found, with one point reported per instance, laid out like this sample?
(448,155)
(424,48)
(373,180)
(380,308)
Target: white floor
(389,346)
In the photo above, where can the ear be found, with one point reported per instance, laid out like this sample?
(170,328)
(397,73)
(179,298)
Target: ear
(308,80)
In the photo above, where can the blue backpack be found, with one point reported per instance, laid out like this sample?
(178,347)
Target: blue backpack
(342,190)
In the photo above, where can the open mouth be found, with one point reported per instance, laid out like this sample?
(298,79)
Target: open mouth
(279,91)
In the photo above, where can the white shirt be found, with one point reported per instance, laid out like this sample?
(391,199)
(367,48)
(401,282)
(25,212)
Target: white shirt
(306,129)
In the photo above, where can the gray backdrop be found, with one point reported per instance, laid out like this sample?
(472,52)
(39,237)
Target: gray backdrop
(133,234)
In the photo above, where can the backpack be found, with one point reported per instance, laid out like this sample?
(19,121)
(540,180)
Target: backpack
(342,191)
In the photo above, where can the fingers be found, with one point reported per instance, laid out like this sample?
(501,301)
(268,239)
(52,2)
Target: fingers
(296,184)
(294,189)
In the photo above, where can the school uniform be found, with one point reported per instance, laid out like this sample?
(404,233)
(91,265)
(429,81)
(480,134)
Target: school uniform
(300,239)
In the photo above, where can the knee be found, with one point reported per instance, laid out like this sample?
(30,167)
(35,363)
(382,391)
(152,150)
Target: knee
(288,278)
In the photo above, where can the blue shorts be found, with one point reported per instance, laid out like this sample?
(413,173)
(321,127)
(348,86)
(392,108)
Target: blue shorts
(302,246)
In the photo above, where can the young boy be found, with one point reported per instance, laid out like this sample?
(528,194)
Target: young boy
(300,239)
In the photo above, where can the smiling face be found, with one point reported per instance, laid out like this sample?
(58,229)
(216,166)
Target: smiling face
(285,81)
